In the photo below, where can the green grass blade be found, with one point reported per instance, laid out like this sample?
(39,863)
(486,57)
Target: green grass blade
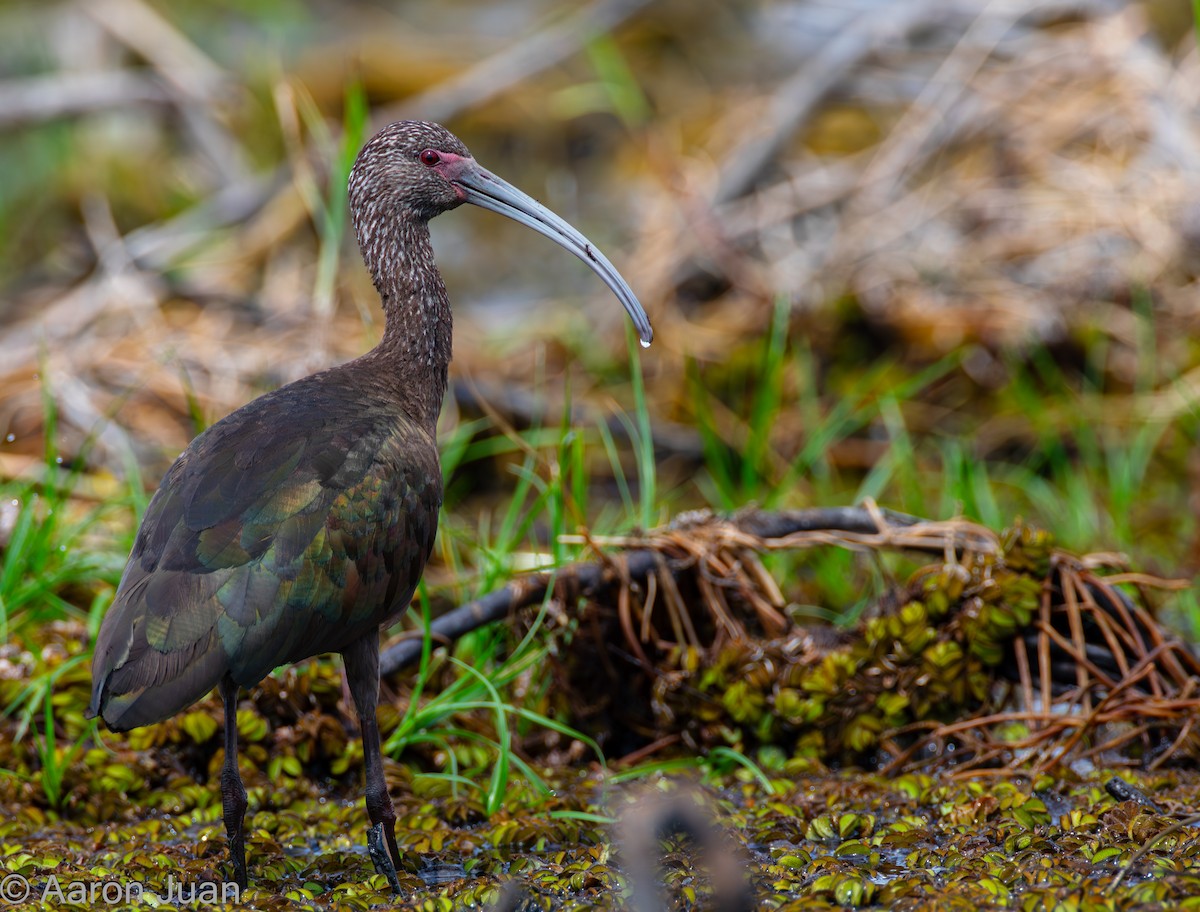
(728,753)
(765,401)
(643,438)
(619,81)
(499,779)
(671,767)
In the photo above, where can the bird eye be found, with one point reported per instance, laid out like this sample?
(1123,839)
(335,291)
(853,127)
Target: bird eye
(430,158)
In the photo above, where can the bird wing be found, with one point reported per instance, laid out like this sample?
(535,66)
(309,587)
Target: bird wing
(268,541)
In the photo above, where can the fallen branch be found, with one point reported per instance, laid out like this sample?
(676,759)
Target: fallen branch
(587,579)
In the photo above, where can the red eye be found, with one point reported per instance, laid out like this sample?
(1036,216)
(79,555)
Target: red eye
(430,158)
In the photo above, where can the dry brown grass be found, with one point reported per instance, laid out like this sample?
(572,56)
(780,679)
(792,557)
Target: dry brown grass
(1001,176)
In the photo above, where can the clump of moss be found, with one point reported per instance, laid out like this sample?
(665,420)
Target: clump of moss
(973,660)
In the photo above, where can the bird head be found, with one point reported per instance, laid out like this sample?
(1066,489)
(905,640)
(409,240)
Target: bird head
(415,170)
(405,170)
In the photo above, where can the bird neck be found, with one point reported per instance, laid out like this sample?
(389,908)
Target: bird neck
(412,359)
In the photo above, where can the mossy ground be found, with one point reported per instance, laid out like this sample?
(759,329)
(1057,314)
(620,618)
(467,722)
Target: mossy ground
(825,840)
(145,808)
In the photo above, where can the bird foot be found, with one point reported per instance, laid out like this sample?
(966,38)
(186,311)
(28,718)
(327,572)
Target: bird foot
(237,858)
(381,858)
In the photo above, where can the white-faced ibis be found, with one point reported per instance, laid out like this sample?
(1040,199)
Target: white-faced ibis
(301,523)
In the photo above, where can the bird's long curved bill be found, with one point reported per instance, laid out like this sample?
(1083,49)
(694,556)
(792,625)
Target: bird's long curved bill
(484,189)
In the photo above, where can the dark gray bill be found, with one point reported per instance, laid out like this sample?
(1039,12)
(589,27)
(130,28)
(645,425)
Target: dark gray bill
(482,188)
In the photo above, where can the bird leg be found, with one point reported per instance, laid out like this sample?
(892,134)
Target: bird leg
(362,674)
(233,793)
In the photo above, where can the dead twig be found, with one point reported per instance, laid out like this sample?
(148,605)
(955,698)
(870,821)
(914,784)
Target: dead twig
(70,94)
(514,64)
(195,82)
(589,579)
(796,98)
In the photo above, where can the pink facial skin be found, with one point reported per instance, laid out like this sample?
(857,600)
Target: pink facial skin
(452,167)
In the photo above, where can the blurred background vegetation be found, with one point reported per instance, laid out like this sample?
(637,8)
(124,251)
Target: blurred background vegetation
(941,254)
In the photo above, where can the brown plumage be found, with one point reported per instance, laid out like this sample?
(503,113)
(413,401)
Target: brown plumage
(302,522)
